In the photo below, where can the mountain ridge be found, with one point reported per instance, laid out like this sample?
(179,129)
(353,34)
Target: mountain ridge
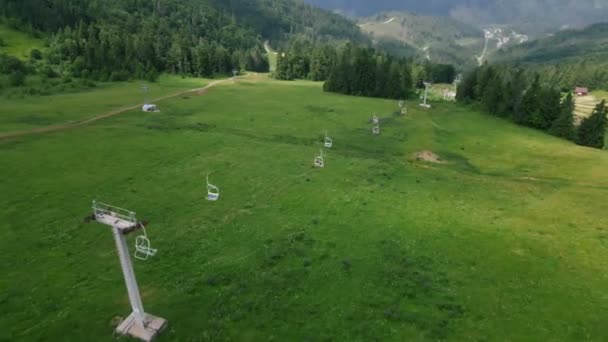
(539,16)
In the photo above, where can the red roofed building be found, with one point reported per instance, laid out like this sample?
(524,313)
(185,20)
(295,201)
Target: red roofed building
(581,91)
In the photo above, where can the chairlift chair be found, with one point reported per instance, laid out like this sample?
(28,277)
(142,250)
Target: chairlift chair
(213,192)
(142,246)
(328,142)
(319,160)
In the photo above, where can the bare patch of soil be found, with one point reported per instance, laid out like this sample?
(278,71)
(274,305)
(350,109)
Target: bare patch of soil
(428,156)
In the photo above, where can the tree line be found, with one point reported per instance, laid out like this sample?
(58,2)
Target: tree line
(526,100)
(357,70)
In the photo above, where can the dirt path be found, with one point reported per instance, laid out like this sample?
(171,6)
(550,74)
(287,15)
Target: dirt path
(483,53)
(60,127)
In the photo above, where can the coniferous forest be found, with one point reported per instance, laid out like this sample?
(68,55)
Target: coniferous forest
(358,70)
(139,39)
(122,39)
(526,100)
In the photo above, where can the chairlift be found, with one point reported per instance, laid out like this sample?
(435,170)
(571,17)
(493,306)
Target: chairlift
(150,108)
(142,246)
(376,130)
(213,192)
(328,141)
(319,160)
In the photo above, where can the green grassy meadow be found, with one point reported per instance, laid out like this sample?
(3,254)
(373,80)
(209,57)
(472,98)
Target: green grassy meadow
(506,239)
(27,112)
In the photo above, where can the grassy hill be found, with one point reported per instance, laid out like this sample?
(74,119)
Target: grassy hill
(17,43)
(442,39)
(504,237)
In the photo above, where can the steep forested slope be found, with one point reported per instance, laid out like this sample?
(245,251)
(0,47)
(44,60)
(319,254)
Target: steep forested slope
(111,39)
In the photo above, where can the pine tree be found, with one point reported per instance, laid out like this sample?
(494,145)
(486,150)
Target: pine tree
(550,107)
(406,81)
(592,129)
(393,85)
(317,72)
(466,89)
(492,98)
(282,70)
(485,78)
(515,95)
(530,106)
(381,76)
(563,126)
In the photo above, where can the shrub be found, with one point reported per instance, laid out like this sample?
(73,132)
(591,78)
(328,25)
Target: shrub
(119,76)
(36,54)
(49,72)
(10,64)
(16,78)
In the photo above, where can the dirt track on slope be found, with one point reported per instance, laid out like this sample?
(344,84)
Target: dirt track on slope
(61,127)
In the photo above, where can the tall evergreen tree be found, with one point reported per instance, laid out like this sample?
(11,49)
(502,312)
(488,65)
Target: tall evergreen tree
(492,98)
(513,102)
(550,107)
(592,130)
(466,88)
(563,126)
(531,104)
(406,81)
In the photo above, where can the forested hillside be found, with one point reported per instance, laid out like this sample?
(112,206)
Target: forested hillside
(439,38)
(119,39)
(569,58)
(527,99)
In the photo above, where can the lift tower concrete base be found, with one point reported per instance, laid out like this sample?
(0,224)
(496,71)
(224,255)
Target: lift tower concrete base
(138,324)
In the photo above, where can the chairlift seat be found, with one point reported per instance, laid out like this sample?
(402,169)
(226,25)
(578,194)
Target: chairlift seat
(319,160)
(213,192)
(213,197)
(142,248)
(328,142)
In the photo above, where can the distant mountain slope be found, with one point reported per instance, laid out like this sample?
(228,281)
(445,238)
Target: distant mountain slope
(530,16)
(590,43)
(440,39)
(568,58)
